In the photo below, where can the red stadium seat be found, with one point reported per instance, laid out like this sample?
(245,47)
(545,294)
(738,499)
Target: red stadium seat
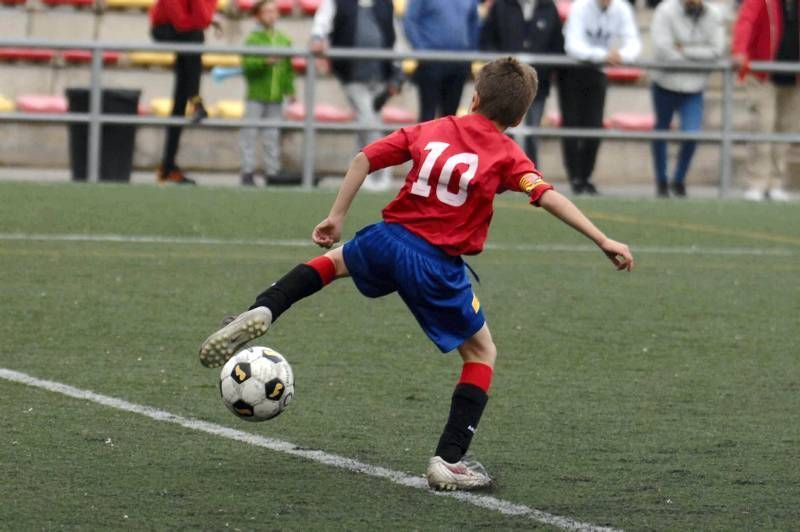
(12,2)
(85,56)
(624,74)
(563,7)
(322,113)
(397,115)
(299,64)
(631,121)
(36,103)
(309,7)
(39,55)
(285,7)
(323,65)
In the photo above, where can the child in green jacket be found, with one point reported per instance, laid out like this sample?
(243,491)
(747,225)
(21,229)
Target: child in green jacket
(269,81)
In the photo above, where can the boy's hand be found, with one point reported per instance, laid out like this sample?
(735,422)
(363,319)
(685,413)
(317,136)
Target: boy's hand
(327,232)
(618,253)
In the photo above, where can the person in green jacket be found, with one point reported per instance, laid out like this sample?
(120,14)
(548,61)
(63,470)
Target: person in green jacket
(269,81)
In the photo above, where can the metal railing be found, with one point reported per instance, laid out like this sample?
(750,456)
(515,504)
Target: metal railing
(725,137)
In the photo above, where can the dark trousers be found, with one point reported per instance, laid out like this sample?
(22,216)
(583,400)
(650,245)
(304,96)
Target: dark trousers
(187,70)
(582,97)
(439,86)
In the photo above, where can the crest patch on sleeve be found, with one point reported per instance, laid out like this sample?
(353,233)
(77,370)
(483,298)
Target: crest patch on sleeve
(527,185)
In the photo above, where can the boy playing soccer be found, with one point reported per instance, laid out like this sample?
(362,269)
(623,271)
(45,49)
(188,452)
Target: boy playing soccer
(269,80)
(442,212)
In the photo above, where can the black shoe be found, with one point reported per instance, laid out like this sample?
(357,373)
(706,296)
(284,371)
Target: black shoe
(662,190)
(678,190)
(578,187)
(282,178)
(247,180)
(199,113)
(174,176)
(590,189)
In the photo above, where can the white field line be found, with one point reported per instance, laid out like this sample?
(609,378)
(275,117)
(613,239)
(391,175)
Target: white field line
(152,239)
(396,477)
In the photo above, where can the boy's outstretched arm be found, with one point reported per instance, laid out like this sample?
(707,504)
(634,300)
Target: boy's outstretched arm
(329,230)
(566,211)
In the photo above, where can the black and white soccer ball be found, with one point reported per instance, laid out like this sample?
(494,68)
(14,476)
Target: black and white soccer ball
(257,383)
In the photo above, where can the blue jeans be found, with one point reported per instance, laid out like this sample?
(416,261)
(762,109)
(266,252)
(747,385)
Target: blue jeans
(689,106)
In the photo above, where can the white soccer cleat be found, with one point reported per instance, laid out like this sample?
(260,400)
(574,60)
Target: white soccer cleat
(463,475)
(754,194)
(222,345)
(778,194)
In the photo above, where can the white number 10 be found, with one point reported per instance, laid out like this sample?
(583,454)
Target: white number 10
(421,186)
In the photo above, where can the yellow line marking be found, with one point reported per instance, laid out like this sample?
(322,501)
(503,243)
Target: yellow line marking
(698,228)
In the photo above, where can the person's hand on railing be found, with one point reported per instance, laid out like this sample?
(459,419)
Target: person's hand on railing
(742,63)
(217,25)
(318,45)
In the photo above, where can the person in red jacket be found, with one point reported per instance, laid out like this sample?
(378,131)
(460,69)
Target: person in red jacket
(182,21)
(767,30)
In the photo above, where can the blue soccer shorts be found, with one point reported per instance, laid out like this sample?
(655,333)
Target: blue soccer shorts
(385,258)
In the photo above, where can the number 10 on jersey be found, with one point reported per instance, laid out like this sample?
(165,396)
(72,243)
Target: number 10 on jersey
(435,150)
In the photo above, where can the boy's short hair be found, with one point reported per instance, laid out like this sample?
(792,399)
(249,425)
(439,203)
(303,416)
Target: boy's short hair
(506,89)
(258,5)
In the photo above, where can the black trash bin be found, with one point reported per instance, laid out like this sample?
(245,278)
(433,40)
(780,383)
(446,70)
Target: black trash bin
(116,141)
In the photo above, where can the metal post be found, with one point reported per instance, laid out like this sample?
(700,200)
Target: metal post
(95,98)
(309,140)
(726,146)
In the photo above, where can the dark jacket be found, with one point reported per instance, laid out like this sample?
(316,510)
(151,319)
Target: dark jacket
(344,31)
(505,30)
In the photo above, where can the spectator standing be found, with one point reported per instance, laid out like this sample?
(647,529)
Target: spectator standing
(269,81)
(366,83)
(597,31)
(182,21)
(526,26)
(450,25)
(767,30)
(681,30)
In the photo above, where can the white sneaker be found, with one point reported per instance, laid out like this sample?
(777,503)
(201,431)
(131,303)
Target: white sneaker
(221,345)
(778,194)
(377,182)
(754,194)
(463,475)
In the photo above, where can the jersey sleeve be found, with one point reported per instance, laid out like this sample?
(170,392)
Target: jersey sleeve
(523,176)
(391,150)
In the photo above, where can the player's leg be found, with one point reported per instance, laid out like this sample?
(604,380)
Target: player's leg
(447,470)
(302,281)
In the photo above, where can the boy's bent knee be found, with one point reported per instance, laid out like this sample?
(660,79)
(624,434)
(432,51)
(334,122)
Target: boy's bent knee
(337,257)
(479,348)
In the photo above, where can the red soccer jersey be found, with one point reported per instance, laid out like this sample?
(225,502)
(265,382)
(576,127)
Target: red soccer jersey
(459,165)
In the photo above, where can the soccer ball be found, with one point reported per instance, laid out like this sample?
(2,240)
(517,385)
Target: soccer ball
(256,383)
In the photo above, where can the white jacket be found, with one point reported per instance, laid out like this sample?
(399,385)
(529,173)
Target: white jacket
(678,37)
(591,32)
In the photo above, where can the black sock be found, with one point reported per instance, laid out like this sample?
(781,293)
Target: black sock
(465,411)
(301,282)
